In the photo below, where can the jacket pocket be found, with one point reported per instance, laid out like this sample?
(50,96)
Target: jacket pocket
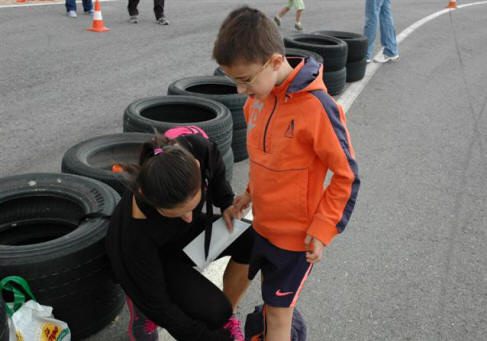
(278,195)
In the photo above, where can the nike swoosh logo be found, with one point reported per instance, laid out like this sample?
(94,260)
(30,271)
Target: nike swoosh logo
(279,293)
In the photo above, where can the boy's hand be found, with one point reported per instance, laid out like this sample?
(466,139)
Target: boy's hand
(228,217)
(240,203)
(315,247)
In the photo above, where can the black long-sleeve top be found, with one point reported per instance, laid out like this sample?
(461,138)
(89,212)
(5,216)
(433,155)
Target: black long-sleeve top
(137,247)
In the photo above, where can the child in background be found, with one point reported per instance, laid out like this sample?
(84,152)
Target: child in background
(296,132)
(299,5)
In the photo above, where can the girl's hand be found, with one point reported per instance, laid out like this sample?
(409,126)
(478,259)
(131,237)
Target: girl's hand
(240,203)
(315,247)
(228,217)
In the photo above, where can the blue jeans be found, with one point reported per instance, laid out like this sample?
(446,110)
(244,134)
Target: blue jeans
(380,11)
(71,5)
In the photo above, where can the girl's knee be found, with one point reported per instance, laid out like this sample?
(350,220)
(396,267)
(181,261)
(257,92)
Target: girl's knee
(219,313)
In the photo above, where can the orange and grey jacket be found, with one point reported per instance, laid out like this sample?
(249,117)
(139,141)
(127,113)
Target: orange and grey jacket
(294,137)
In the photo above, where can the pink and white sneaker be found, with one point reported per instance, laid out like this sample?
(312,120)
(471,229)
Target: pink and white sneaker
(140,327)
(234,325)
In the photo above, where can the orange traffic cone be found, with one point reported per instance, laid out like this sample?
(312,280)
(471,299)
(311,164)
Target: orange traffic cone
(20,1)
(98,25)
(452,4)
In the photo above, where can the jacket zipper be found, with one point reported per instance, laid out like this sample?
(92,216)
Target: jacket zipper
(269,120)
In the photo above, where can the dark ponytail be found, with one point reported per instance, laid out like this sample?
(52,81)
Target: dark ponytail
(167,174)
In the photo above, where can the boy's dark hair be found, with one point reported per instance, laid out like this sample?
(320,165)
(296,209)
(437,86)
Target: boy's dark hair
(247,35)
(165,179)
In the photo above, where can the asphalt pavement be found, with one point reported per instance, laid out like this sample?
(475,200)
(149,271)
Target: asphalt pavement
(411,264)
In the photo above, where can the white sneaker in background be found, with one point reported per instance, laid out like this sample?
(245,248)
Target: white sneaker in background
(382,58)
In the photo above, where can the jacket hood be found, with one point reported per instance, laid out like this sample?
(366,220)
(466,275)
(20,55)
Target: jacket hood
(306,76)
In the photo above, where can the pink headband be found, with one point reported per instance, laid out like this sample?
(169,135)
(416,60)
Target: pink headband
(158,151)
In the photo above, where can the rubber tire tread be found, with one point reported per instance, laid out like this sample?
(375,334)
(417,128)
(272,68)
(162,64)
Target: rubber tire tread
(357,43)
(356,70)
(294,52)
(333,50)
(234,102)
(4,331)
(335,81)
(75,159)
(228,160)
(70,273)
(219,128)
(239,145)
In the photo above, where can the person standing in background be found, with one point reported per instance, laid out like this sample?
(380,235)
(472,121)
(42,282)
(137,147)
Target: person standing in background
(299,5)
(158,11)
(380,11)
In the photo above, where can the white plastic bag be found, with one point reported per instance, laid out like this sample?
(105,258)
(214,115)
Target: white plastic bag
(11,330)
(31,321)
(35,322)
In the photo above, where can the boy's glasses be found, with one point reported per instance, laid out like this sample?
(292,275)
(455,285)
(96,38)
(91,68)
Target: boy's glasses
(252,79)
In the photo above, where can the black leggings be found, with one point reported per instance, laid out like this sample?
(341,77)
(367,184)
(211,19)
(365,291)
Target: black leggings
(194,294)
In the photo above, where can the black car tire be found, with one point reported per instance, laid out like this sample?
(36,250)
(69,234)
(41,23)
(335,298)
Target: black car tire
(239,145)
(228,160)
(335,81)
(165,112)
(4,331)
(95,157)
(357,43)
(333,50)
(292,52)
(356,70)
(44,239)
(217,88)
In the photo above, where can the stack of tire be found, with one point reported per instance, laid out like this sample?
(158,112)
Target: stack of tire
(357,50)
(334,53)
(161,113)
(224,91)
(52,231)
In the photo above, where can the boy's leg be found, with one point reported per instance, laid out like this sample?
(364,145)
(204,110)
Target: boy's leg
(278,323)
(283,276)
(235,278)
(299,12)
(283,12)
(235,282)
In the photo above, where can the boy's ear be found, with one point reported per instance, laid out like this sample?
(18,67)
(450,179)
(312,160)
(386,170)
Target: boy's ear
(276,60)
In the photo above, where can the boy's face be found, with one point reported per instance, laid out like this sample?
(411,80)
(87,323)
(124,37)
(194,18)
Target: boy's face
(255,79)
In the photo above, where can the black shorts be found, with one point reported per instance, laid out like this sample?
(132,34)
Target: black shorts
(283,272)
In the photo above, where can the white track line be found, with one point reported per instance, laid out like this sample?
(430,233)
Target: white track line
(45,4)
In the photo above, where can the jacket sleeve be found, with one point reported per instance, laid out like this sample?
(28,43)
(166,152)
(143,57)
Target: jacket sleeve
(149,294)
(331,143)
(221,191)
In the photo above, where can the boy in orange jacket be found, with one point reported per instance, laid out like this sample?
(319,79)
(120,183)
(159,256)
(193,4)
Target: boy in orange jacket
(296,132)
